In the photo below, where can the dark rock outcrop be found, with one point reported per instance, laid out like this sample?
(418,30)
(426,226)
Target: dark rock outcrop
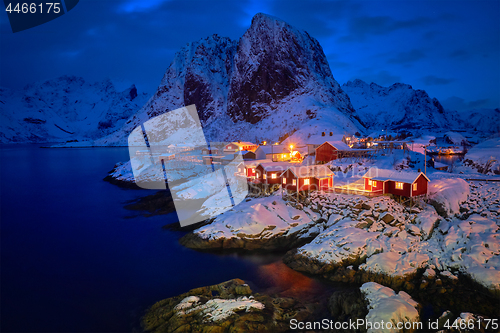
(168,316)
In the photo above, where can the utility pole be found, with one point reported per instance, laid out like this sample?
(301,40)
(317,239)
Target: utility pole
(425,160)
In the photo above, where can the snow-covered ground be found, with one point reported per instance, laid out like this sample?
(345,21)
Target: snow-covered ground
(394,240)
(379,235)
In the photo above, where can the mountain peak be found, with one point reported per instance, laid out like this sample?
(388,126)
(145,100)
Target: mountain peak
(262,18)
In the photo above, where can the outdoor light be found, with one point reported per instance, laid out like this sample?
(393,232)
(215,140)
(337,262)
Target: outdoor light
(291,146)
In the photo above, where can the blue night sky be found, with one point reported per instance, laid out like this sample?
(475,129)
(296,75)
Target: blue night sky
(451,49)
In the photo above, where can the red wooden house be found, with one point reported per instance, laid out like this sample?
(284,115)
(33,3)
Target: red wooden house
(404,183)
(329,151)
(307,178)
(269,173)
(247,168)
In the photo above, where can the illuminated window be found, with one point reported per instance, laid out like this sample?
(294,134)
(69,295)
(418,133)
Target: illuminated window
(415,187)
(374,183)
(370,183)
(240,170)
(264,176)
(273,176)
(306,181)
(294,182)
(399,185)
(284,180)
(252,170)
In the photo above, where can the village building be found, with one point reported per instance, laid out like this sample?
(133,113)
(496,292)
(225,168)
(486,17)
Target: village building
(276,153)
(390,144)
(307,178)
(212,159)
(248,155)
(269,173)
(165,157)
(239,146)
(405,183)
(210,151)
(247,168)
(315,141)
(331,150)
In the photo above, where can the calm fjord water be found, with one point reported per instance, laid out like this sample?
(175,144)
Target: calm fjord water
(72,259)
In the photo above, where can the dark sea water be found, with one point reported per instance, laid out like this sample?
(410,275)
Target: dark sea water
(73,259)
(447,159)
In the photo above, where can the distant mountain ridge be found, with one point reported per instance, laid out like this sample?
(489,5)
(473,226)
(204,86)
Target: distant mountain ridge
(65,108)
(397,107)
(275,81)
(482,120)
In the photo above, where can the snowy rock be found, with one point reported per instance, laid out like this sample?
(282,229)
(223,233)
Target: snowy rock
(446,195)
(387,306)
(219,308)
(485,157)
(257,224)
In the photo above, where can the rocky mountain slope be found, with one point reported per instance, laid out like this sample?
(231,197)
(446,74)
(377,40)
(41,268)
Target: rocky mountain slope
(66,108)
(397,107)
(274,81)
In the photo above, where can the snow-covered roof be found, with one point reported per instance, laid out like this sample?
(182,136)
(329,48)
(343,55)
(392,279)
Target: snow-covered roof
(254,163)
(275,149)
(383,175)
(275,166)
(338,144)
(439,165)
(319,139)
(242,143)
(393,141)
(316,171)
(302,150)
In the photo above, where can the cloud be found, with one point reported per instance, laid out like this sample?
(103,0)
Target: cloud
(360,28)
(140,5)
(320,18)
(432,80)
(407,57)
(459,104)
(459,54)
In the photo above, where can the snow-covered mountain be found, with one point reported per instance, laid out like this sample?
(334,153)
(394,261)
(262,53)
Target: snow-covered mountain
(274,81)
(397,107)
(482,120)
(66,108)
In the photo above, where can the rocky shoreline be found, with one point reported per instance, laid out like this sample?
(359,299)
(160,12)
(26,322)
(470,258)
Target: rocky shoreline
(350,239)
(230,306)
(429,252)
